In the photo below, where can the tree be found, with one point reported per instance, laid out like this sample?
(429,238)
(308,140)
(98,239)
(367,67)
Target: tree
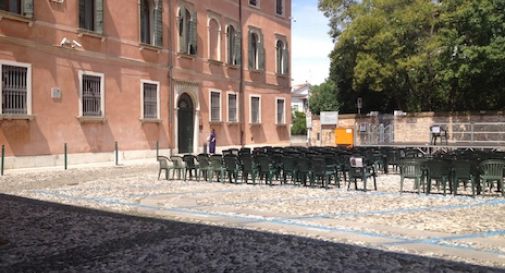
(323,97)
(299,124)
(418,55)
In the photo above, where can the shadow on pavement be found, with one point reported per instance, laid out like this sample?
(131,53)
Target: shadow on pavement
(50,237)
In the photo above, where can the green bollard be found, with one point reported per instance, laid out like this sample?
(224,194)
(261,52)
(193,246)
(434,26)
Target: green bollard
(3,158)
(157,149)
(66,156)
(117,153)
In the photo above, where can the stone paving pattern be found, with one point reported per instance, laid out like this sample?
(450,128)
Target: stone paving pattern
(125,220)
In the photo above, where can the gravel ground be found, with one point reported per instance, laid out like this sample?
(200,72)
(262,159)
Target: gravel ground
(92,220)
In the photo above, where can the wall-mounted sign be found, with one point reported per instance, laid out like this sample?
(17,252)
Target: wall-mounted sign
(329,118)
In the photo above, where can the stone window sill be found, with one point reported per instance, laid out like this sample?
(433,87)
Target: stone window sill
(215,62)
(16,117)
(153,48)
(186,56)
(84,119)
(150,120)
(89,33)
(233,66)
(16,17)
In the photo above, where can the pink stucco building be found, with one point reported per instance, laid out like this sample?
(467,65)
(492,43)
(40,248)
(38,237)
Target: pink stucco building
(92,72)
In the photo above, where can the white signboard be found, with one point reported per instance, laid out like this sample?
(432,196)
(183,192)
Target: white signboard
(329,118)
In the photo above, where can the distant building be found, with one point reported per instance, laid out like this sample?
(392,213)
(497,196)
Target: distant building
(300,97)
(140,72)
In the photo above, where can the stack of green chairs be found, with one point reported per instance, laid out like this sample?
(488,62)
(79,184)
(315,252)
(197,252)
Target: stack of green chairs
(190,161)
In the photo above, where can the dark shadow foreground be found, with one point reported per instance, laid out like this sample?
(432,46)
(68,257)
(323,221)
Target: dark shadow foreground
(49,237)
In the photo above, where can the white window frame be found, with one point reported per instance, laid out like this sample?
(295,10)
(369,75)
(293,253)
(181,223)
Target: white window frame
(220,105)
(219,31)
(258,3)
(102,92)
(228,106)
(142,117)
(283,122)
(28,67)
(283,8)
(250,109)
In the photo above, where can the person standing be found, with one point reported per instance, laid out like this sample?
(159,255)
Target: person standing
(212,142)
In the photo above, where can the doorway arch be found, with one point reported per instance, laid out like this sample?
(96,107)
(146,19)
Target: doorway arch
(186,124)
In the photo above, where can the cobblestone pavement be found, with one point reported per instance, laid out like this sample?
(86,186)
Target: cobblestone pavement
(125,220)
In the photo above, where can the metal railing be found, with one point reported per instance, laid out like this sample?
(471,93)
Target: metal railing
(14,90)
(475,132)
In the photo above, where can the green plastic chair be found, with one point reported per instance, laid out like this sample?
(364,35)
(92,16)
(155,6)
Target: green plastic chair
(265,167)
(164,165)
(191,166)
(463,171)
(203,165)
(177,165)
(411,169)
(232,167)
(288,168)
(492,171)
(216,167)
(247,167)
(319,172)
(361,171)
(440,171)
(302,169)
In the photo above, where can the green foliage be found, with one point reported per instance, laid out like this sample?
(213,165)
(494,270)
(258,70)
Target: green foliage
(418,55)
(299,124)
(323,97)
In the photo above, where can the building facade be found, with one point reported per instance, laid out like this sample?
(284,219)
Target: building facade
(91,73)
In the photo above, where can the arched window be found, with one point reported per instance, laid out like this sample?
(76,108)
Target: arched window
(282,57)
(214,40)
(256,50)
(151,24)
(187,31)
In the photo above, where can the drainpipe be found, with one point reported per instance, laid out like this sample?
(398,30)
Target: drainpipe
(241,87)
(171,92)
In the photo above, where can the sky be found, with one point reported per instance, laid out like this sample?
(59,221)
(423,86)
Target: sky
(311,43)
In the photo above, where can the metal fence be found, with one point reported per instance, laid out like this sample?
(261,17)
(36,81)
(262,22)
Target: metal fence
(475,132)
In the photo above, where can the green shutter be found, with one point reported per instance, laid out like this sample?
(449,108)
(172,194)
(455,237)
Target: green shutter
(237,49)
(28,8)
(158,27)
(286,59)
(250,51)
(261,53)
(82,14)
(144,32)
(193,34)
(99,16)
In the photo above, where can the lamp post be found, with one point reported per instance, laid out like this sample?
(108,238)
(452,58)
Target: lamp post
(359,105)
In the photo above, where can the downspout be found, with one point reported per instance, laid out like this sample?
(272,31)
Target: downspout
(241,87)
(171,92)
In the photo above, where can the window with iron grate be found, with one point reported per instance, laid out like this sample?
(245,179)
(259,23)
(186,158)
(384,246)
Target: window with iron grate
(91,96)
(14,90)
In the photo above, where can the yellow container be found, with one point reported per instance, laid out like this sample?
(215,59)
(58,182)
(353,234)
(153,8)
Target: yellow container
(344,136)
